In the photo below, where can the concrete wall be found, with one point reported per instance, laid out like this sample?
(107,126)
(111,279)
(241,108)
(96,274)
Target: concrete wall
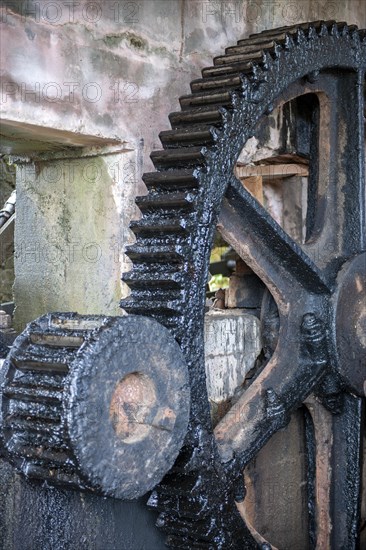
(91,78)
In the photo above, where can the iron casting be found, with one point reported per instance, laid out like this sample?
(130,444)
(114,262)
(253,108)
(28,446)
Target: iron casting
(318,343)
(94,403)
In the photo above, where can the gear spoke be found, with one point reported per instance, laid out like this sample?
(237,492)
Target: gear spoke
(265,406)
(263,244)
(337,484)
(338,230)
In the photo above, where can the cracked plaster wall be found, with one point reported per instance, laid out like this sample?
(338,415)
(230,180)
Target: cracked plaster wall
(118,73)
(102,74)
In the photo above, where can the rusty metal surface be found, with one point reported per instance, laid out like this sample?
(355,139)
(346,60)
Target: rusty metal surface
(194,188)
(94,403)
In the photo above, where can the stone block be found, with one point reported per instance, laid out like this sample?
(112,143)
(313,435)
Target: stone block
(232,344)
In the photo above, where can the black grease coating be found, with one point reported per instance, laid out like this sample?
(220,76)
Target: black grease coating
(57,423)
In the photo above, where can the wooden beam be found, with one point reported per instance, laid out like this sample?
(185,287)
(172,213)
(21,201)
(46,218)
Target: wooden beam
(254,184)
(272,171)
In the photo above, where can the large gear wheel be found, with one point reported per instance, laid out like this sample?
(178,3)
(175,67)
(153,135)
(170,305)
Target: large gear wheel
(193,190)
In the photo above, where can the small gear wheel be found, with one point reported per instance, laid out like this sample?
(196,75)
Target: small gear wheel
(95,403)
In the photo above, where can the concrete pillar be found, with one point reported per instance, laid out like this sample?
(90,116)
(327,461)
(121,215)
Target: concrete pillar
(71,230)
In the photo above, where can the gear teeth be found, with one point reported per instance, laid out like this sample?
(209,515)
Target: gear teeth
(204,115)
(168,302)
(152,253)
(225,70)
(157,200)
(139,279)
(178,158)
(209,98)
(56,339)
(349,29)
(259,40)
(290,29)
(44,358)
(38,424)
(31,393)
(264,45)
(164,213)
(344,30)
(334,28)
(219,83)
(63,477)
(177,179)
(323,31)
(155,308)
(187,137)
(156,271)
(152,225)
(55,456)
(35,353)
(230,59)
(33,411)
(52,381)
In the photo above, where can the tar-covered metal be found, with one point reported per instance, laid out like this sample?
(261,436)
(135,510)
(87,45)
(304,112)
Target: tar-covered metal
(192,191)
